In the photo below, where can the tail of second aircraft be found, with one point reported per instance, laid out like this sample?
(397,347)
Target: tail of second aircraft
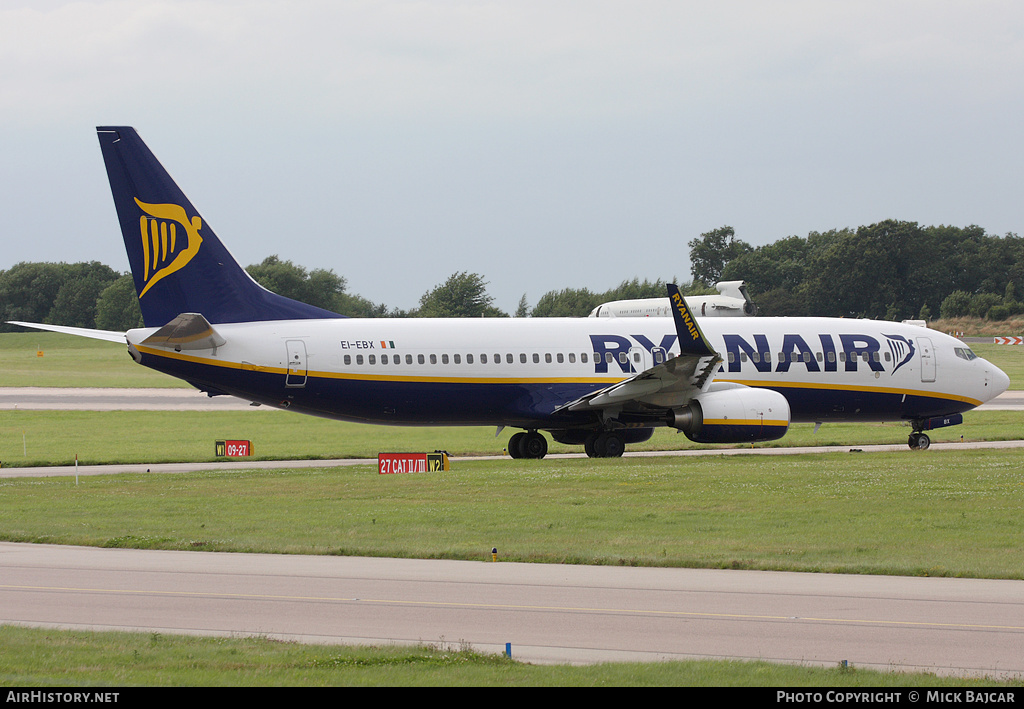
(178,263)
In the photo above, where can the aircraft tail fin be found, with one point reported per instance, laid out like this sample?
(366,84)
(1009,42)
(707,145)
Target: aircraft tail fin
(178,263)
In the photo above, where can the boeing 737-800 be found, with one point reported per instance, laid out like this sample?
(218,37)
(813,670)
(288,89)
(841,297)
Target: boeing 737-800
(598,382)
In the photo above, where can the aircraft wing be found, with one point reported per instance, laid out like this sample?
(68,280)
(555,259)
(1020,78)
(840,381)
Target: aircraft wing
(671,383)
(108,335)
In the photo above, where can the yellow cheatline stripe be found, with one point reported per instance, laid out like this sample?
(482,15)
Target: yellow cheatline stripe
(852,387)
(159,352)
(507,606)
(745,422)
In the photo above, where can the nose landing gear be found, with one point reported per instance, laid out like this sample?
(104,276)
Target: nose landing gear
(919,441)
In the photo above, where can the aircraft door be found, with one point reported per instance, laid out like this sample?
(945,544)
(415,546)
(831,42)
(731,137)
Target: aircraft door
(927,359)
(639,359)
(296,366)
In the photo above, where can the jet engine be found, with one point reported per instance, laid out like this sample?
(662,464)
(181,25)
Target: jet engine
(738,414)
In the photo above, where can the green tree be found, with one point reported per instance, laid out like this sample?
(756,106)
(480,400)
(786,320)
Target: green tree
(27,291)
(463,295)
(118,306)
(981,303)
(779,266)
(75,303)
(712,252)
(955,305)
(566,303)
(523,310)
(320,287)
(56,293)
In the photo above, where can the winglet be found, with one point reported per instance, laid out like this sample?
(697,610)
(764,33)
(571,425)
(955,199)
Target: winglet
(691,339)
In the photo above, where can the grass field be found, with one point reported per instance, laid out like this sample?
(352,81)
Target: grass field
(942,513)
(56,659)
(30,438)
(69,361)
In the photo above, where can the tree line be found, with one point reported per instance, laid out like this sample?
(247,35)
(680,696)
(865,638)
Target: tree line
(891,270)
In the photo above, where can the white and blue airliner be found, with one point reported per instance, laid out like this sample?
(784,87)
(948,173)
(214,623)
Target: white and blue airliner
(598,382)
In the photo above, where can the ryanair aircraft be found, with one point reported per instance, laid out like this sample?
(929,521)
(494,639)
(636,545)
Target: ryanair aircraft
(598,382)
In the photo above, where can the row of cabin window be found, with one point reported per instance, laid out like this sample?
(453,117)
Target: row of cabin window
(470,359)
(659,357)
(806,357)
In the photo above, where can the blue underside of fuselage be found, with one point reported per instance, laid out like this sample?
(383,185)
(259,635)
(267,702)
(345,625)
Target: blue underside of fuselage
(526,404)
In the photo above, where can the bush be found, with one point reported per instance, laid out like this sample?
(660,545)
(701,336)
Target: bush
(956,305)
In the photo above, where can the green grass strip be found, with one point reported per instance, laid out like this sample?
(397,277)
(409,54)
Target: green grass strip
(944,513)
(47,658)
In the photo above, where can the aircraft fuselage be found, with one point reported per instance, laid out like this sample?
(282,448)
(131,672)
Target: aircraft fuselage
(518,372)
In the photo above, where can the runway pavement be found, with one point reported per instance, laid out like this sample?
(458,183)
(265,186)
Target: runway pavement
(549,613)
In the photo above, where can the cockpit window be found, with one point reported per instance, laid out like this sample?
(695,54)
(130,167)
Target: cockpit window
(965,353)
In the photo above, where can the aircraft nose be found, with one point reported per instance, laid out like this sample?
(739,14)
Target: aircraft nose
(1000,381)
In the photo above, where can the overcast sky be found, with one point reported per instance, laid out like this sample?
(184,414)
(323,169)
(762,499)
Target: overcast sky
(543,145)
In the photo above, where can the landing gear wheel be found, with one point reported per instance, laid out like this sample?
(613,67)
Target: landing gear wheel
(919,441)
(514,444)
(528,444)
(606,444)
(533,445)
(614,446)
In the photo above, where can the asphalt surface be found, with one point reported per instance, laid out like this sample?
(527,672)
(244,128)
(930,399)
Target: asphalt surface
(547,612)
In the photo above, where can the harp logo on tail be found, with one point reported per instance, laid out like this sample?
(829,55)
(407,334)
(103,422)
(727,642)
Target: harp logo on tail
(164,249)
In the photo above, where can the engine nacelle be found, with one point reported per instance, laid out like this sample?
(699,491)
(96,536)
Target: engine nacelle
(735,415)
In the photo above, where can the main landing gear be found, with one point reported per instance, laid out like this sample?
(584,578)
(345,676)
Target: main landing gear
(599,444)
(528,444)
(605,444)
(919,441)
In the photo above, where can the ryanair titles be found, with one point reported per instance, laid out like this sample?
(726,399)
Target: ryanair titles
(826,352)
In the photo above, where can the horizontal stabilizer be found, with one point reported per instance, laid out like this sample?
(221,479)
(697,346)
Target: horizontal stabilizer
(108,335)
(188,331)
